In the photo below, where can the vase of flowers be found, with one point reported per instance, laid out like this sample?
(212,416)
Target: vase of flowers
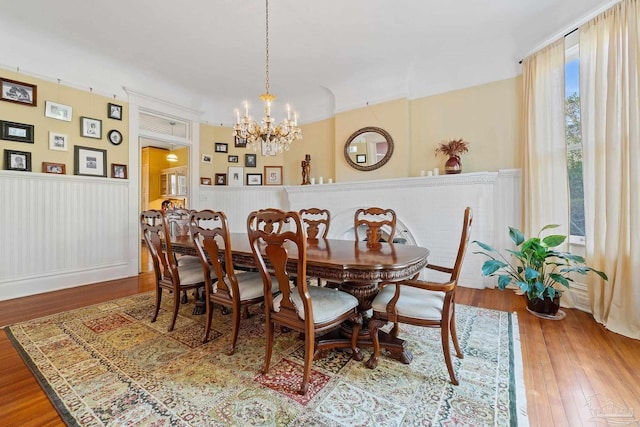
(453,148)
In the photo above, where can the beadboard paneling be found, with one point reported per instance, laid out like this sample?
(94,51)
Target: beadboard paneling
(60,231)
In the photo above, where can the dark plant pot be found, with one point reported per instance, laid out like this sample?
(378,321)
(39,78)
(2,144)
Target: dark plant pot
(453,165)
(546,305)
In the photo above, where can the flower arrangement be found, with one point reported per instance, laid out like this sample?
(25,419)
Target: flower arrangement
(453,147)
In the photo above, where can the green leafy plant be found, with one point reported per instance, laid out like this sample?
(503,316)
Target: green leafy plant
(535,267)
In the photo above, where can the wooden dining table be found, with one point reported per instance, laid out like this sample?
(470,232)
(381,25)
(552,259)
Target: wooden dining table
(356,267)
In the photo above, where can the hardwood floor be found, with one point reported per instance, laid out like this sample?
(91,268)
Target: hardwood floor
(573,369)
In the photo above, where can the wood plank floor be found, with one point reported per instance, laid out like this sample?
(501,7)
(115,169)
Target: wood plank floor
(574,369)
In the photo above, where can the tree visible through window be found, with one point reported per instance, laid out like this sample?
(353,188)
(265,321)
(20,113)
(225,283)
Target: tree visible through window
(574,143)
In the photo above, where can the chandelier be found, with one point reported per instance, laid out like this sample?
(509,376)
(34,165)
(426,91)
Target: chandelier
(271,137)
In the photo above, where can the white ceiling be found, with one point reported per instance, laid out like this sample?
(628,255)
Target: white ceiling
(326,56)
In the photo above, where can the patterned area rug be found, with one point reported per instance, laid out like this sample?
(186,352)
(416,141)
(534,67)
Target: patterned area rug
(109,365)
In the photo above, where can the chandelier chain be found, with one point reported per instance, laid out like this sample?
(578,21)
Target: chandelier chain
(270,136)
(267,47)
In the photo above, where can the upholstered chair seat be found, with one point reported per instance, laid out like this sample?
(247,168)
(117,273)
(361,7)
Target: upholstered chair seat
(326,303)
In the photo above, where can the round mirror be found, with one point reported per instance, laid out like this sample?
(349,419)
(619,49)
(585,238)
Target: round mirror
(369,148)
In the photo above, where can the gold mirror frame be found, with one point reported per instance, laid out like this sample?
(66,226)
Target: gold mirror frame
(376,165)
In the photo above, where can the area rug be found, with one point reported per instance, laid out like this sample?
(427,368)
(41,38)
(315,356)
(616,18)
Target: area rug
(107,364)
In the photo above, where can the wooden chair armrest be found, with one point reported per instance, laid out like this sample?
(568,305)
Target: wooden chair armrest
(421,284)
(440,268)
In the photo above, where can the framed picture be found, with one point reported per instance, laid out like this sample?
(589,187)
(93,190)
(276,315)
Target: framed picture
(254,179)
(240,142)
(273,175)
(221,179)
(91,128)
(118,171)
(114,111)
(205,181)
(232,159)
(206,158)
(250,160)
(16,132)
(57,111)
(19,92)
(235,176)
(59,168)
(221,147)
(90,161)
(266,151)
(17,160)
(58,141)
(361,158)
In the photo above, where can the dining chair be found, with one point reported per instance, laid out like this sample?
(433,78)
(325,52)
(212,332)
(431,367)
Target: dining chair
(422,303)
(278,238)
(210,233)
(375,223)
(178,219)
(169,274)
(316,222)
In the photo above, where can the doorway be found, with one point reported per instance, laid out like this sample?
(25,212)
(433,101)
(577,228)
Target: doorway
(167,128)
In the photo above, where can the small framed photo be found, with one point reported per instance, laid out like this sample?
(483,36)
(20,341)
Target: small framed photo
(273,175)
(118,171)
(16,132)
(59,168)
(361,158)
(90,161)
(114,111)
(254,179)
(240,142)
(250,160)
(222,147)
(206,158)
(232,159)
(236,176)
(58,141)
(205,181)
(18,92)
(221,179)
(91,128)
(58,111)
(17,160)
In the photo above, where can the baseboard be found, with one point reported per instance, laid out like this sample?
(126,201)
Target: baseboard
(70,279)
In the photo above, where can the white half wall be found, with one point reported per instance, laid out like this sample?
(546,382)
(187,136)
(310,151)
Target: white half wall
(61,231)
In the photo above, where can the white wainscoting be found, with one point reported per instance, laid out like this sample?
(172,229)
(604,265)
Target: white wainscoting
(64,231)
(238,202)
(431,208)
(61,231)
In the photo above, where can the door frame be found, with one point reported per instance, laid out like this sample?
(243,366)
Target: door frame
(141,103)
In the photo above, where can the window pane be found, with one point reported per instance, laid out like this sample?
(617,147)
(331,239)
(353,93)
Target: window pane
(574,146)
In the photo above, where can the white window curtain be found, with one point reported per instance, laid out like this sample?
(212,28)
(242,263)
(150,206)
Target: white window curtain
(609,98)
(545,177)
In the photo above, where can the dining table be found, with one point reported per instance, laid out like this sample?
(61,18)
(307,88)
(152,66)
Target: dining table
(356,267)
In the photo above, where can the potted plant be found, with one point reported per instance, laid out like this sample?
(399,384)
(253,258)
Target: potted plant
(453,148)
(536,267)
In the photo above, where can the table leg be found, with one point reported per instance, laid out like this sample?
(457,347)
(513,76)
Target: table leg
(366,292)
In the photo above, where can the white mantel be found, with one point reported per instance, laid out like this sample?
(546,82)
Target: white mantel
(430,208)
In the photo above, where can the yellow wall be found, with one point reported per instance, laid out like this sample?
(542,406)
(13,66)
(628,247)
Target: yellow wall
(83,103)
(392,116)
(488,116)
(317,141)
(209,135)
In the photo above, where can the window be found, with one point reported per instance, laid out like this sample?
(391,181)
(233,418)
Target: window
(574,138)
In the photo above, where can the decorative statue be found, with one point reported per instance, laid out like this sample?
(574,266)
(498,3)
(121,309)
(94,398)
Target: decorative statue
(306,169)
